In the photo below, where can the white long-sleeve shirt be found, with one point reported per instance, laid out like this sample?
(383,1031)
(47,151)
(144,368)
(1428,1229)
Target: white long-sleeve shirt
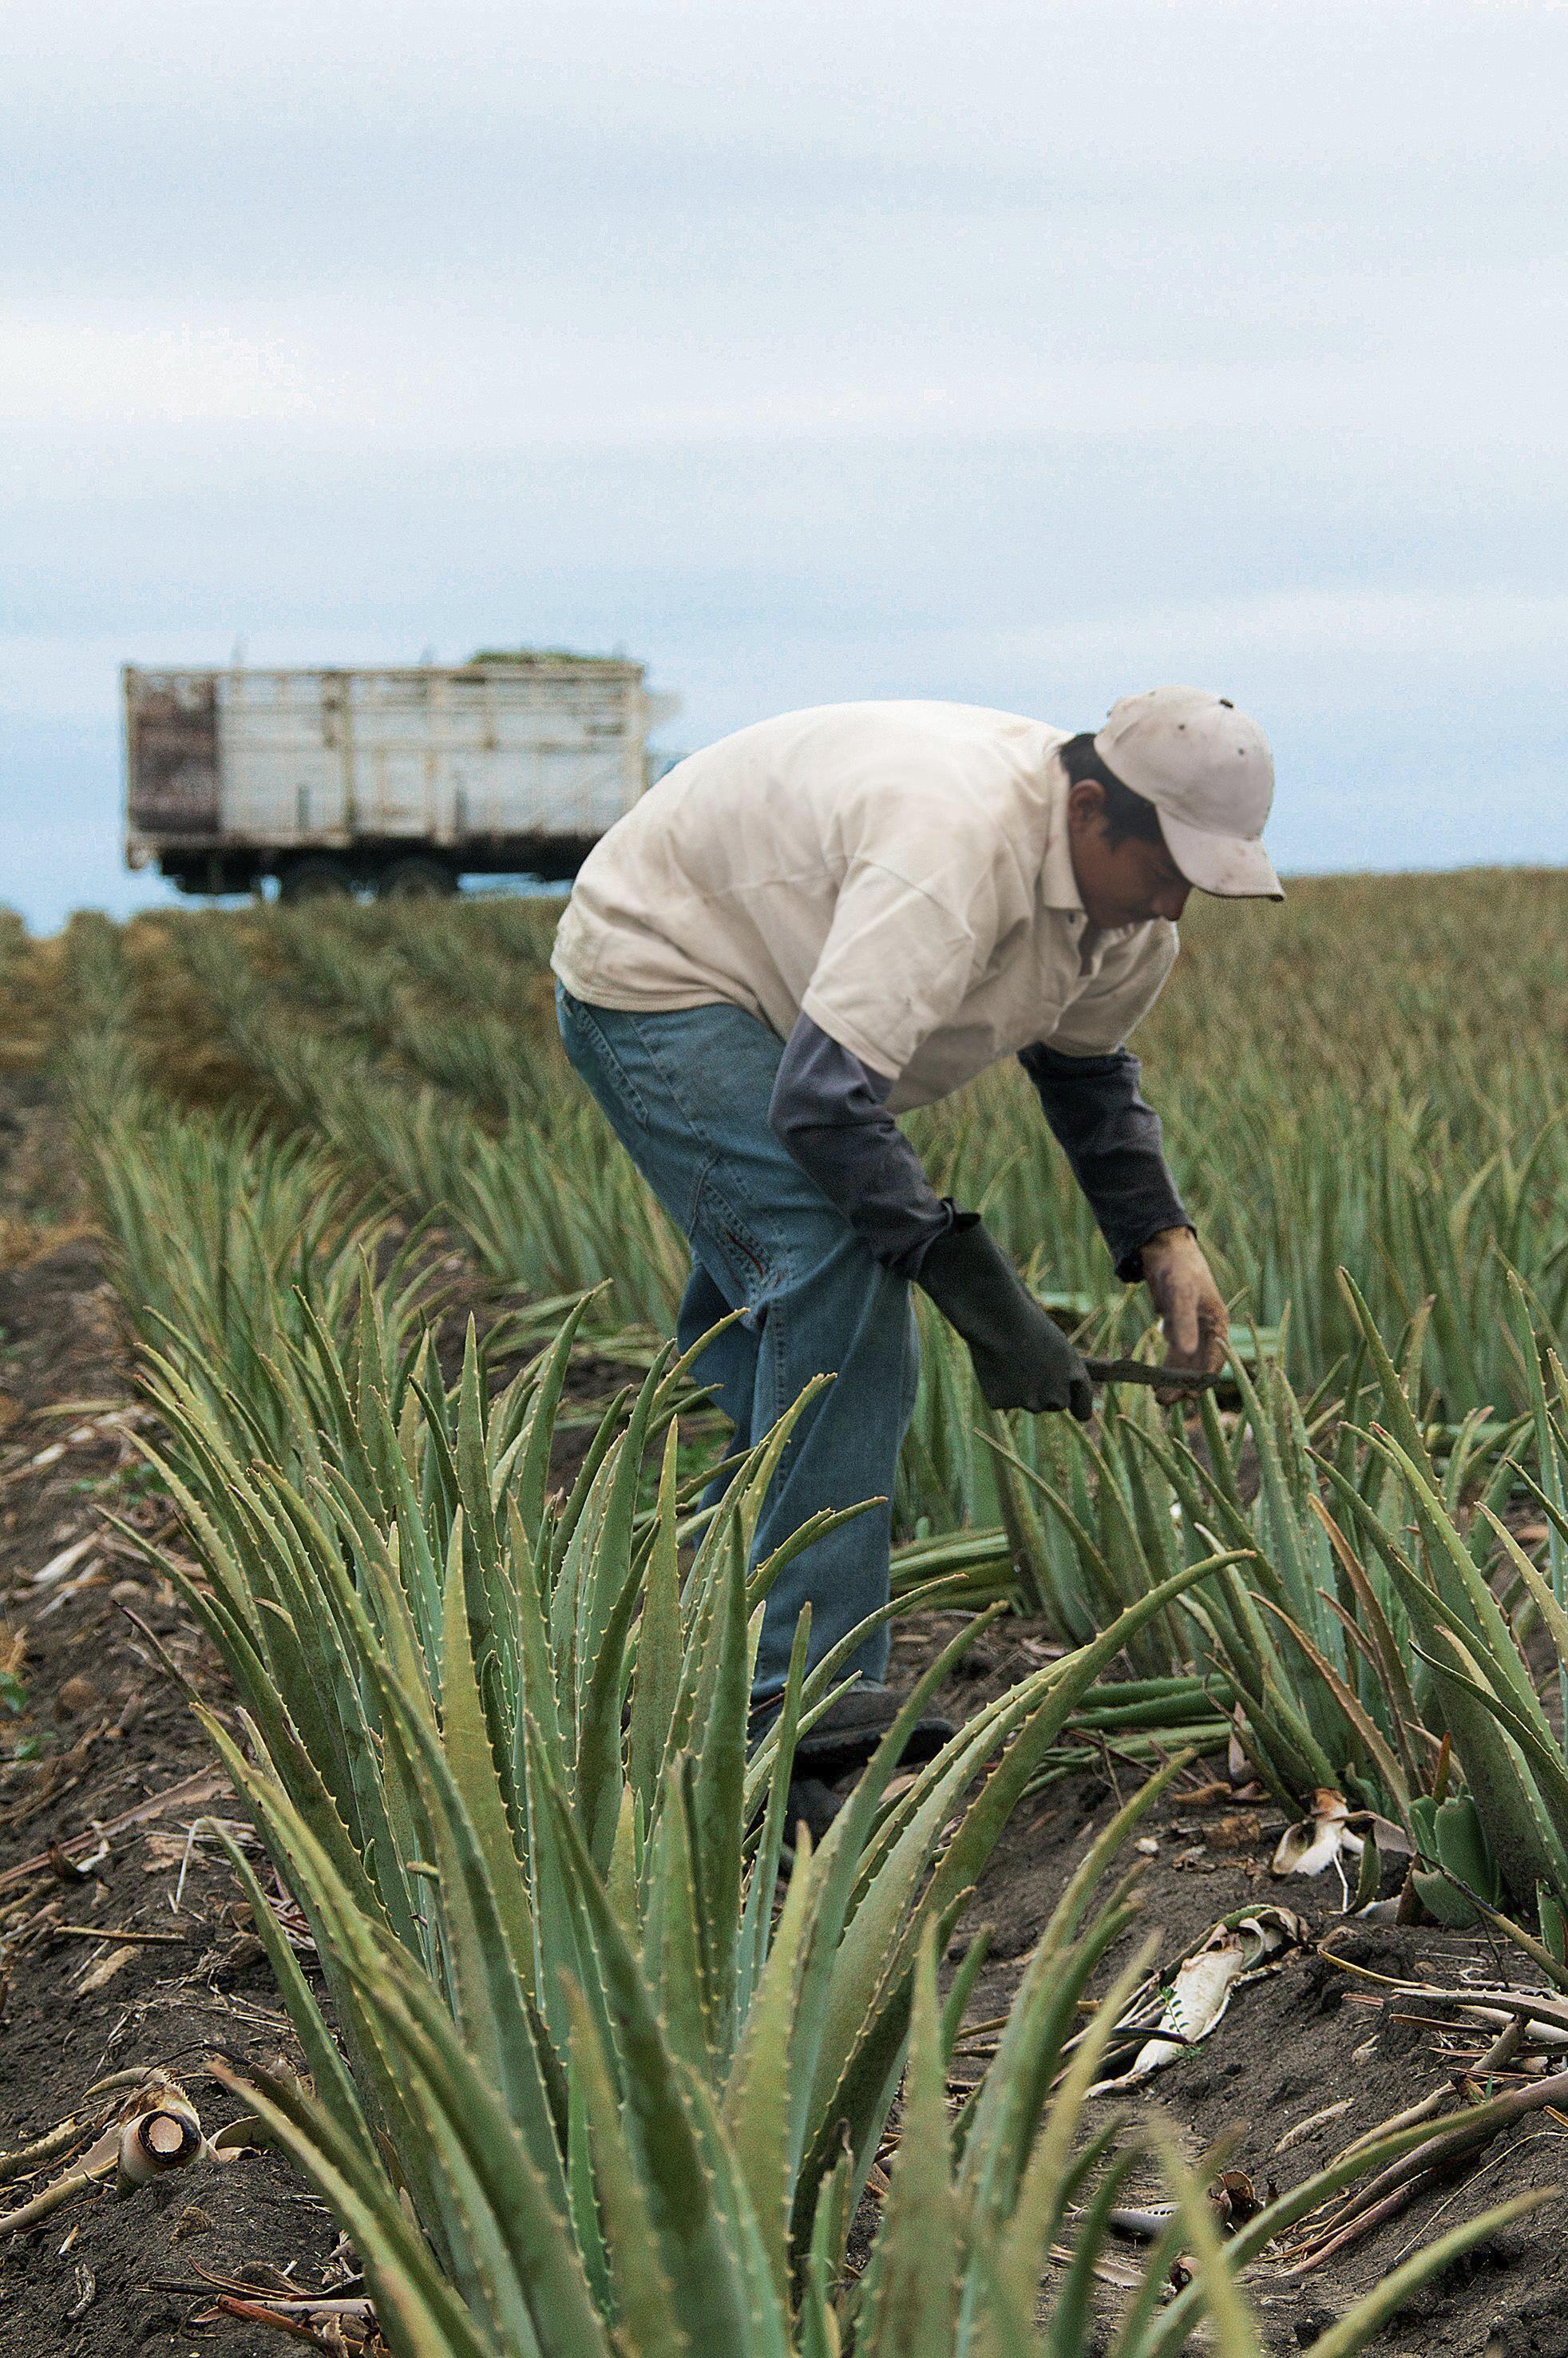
(898,873)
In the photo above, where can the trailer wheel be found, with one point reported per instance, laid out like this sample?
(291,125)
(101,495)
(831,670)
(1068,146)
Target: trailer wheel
(416,879)
(315,879)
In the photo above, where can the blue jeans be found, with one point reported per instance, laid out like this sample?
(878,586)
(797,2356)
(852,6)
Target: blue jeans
(686,1093)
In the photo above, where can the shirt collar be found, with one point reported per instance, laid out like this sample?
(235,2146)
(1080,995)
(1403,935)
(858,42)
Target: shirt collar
(1058,885)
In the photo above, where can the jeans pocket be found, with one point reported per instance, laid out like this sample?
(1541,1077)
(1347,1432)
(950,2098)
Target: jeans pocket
(746,1258)
(595,1059)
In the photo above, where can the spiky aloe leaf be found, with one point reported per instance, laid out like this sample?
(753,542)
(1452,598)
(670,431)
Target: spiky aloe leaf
(674,1930)
(909,2299)
(705,2228)
(716,1780)
(658,1644)
(1230,2322)
(417,2312)
(757,2093)
(1071,2318)
(1540,1777)
(757,1928)
(643,2297)
(465,1744)
(334,2089)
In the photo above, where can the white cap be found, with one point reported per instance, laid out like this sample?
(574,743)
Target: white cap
(1208,772)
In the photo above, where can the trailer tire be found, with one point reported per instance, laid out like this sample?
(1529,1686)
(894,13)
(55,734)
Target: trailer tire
(416,879)
(314,879)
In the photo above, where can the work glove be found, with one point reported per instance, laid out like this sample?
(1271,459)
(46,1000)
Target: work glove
(1021,1357)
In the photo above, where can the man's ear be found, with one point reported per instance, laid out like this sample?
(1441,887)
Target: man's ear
(1086,805)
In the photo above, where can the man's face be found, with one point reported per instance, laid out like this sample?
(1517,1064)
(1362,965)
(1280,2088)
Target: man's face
(1124,884)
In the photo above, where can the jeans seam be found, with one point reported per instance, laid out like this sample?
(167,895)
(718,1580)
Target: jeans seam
(581,1015)
(774,1266)
(731,1228)
(773,1342)
(688,1114)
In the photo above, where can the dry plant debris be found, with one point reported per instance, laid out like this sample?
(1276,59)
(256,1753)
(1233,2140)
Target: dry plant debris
(1240,1950)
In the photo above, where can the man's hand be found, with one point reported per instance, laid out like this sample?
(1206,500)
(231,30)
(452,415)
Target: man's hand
(1021,1357)
(1192,1310)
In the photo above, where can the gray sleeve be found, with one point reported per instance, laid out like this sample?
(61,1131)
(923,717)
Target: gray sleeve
(1112,1138)
(830,1111)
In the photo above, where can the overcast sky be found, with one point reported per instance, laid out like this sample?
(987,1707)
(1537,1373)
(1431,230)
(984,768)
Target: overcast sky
(1027,354)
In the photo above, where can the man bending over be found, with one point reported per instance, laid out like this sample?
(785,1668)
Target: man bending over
(829,918)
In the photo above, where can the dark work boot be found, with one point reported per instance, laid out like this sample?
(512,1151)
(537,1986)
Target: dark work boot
(812,1804)
(848,1733)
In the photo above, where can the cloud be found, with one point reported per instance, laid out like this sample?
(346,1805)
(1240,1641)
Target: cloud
(61,371)
(1023,353)
(1470,627)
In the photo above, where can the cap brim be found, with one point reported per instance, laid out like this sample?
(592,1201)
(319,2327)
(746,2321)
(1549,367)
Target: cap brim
(1234,867)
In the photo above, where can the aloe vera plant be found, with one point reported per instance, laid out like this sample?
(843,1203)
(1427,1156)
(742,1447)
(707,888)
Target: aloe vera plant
(618,2092)
(505,1772)
(455,1609)
(545,1204)
(1335,1141)
(1309,1639)
(1508,1834)
(1354,1656)
(665,2234)
(597,2090)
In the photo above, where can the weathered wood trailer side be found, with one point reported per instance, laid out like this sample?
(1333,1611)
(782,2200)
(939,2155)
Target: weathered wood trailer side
(346,777)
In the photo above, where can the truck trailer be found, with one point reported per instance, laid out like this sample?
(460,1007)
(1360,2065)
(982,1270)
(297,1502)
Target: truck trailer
(397,781)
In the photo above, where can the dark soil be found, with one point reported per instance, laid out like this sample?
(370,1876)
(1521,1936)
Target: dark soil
(111,2274)
(108,1731)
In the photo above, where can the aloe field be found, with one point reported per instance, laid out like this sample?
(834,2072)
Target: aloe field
(391,1485)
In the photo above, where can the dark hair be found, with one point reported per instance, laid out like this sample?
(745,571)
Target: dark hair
(1128,816)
